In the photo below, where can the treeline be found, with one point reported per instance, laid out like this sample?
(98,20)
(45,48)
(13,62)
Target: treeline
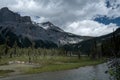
(112,47)
(109,48)
(7,51)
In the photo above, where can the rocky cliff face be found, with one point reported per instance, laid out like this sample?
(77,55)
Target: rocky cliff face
(8,16)
(21,29)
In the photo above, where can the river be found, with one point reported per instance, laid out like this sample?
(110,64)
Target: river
(83,73)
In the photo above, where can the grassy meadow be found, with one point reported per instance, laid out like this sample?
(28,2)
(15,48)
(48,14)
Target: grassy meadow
(44,60)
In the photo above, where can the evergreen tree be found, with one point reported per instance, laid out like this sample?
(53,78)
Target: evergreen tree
(94,50)
(6,46)
(15,48)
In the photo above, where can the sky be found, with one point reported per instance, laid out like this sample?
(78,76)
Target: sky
(81,17)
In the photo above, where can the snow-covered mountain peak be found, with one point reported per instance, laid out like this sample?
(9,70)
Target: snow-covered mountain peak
(50,26)
(22,29)
(47,24)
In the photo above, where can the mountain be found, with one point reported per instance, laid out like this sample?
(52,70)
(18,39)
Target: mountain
(8,16)
(86,45)
(24,31)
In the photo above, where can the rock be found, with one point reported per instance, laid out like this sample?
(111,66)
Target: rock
(26,19)
(23,30)
(10,62)
(7,15)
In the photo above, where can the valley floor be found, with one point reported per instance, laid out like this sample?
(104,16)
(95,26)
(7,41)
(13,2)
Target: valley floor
(20,65)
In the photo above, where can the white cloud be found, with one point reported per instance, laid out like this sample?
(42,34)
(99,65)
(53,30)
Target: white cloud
(114,8)
(64,12)
(67,10)
(35,8)
(39,20)
(90,28)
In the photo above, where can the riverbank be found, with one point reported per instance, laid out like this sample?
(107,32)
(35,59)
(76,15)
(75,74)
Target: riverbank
(49,64)
(64,66)
(96,72)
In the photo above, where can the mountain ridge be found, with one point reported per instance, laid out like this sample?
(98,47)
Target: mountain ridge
(22,28)
(86,45)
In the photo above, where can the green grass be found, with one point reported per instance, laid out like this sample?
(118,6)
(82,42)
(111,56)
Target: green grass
(65,64)
(5,72)
(52,63)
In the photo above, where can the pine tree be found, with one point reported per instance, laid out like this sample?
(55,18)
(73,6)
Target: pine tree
(15,48)
(94,50)
(6,46)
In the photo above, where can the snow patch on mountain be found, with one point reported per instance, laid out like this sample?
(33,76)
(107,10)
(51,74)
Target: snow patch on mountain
(47,32)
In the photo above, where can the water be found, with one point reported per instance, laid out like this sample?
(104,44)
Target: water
(83,73)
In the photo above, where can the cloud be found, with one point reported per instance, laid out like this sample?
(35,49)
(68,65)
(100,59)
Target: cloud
(59,12)
(64,12)
(90,28)
(114,8)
